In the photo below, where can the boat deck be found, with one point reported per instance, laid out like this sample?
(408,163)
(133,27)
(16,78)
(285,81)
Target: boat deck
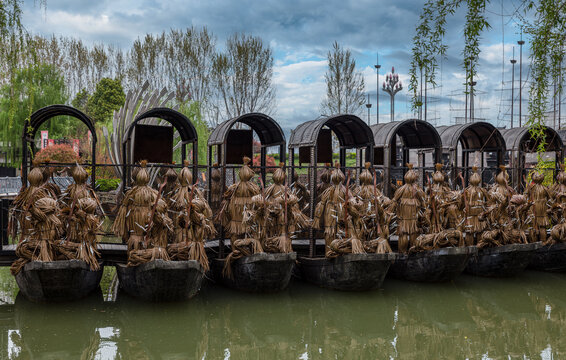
(116,253)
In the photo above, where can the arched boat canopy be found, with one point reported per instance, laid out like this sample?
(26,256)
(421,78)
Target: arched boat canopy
(520,139)
(351,131)
(267,129)
(415,134)
(42,115)
(481,136)
(178,120)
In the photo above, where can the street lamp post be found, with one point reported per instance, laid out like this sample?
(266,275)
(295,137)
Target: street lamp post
(521,43)
(368,105)
(392,85)
(377,67)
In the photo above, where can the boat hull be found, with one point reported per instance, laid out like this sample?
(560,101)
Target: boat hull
(439,265)
(57,281)
(161,280)
(502,261)
(350,272)
(549,258)
(261,272)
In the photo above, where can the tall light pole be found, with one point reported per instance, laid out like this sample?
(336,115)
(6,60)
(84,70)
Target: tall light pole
(521,43)
(513,62)
(392,85)
(368,105)
(377,67)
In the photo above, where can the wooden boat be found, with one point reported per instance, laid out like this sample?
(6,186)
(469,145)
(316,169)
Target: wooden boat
(161,280)
(350,272)
(56,281)
(439,265)
(549,258)
(502,261)
(261,272)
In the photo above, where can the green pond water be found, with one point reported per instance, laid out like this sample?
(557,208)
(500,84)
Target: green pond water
(474,318)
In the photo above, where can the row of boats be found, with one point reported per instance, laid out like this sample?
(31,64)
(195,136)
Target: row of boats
(427,235)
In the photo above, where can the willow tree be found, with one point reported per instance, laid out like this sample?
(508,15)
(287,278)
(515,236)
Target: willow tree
(344,84)
(242,77)
(544,21)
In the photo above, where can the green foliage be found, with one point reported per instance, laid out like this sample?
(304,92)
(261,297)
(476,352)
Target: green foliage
(57,153)
(547,55)
(428,45)
(191,110)
(108,97)
(81,100)
(30,89)
(107,184)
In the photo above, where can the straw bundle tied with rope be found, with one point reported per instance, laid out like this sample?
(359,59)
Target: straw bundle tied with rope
(408,200)
(236,217)
(331,213)
(142,221)
(192,220)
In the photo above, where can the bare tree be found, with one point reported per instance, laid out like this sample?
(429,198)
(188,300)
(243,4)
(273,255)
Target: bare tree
(344,85)
(242,77)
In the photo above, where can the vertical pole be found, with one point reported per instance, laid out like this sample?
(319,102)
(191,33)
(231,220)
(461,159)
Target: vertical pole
(222,161)
(312,182)
(377,66)
(195,161)
(513,61)
(263,163)
(521,42)
(554,106)
(425,100)
(466,92)
(392,106)
(387,170)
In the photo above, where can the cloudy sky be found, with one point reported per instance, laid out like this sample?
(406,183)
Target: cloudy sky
(301,33)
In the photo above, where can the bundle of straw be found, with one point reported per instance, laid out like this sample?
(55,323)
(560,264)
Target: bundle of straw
(302,193)
(192,217)
(215,187)
(19,217)
(142,221)
(378,246)
(240,248)
(237,199)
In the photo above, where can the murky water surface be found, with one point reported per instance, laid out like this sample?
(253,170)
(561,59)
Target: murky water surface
(475,318)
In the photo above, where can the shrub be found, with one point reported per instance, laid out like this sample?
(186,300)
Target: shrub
(57,154)
(107,184)
(269,161)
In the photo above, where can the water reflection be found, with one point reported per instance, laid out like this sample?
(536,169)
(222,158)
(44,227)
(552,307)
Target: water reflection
(471,318)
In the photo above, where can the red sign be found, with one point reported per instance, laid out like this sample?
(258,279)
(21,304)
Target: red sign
(50,142)
(76,146)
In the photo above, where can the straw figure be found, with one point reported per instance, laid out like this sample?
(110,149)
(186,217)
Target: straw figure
(19,217)
(237,201)
(192,220)
(169,181)
(373,228)
(540,196)
(408,200)
(302,193)
(142,221)
(46,228)
(215,187)
(446,216)
(284,208)
(82,226)
(324,182)
(473,205)
(558,191)
(50,187)
(331,214)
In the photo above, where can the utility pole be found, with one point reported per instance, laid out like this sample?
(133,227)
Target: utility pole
(377,67)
